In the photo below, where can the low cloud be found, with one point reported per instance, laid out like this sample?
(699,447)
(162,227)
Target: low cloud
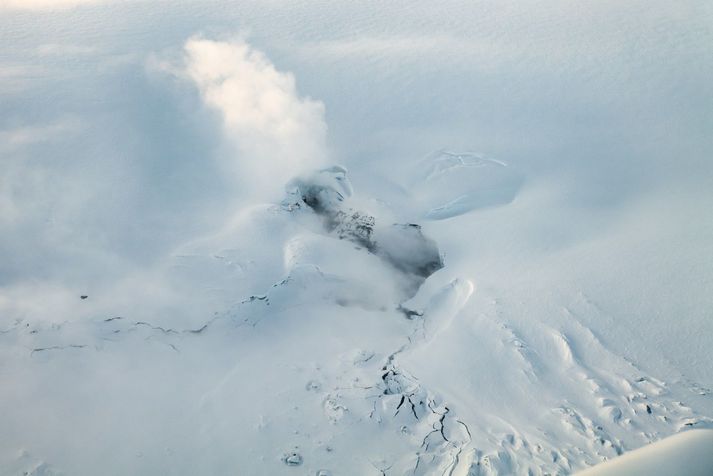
(61,49)
(44,4)
(88,202)
(25,135)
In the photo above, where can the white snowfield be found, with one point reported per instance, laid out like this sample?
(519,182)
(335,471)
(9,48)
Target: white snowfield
(351,347)
(336,238)
(690,453)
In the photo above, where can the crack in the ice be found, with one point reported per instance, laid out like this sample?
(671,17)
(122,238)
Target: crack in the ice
(413,407)
(382,471)
(467,430)
(156,328)
(398,407)
(418,461)
(443,417)
(410,314)
(58,347)
(371,413)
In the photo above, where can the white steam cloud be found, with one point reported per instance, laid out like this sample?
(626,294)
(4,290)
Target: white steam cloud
(276,133)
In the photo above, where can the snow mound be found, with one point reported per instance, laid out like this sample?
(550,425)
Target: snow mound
(449,184)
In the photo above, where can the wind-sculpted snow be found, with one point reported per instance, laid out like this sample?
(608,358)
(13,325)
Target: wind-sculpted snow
(350,349)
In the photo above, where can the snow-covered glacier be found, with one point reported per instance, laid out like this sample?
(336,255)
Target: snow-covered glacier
(352,238)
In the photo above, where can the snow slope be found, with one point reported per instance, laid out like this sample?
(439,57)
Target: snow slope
(508,274)
(689,450)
